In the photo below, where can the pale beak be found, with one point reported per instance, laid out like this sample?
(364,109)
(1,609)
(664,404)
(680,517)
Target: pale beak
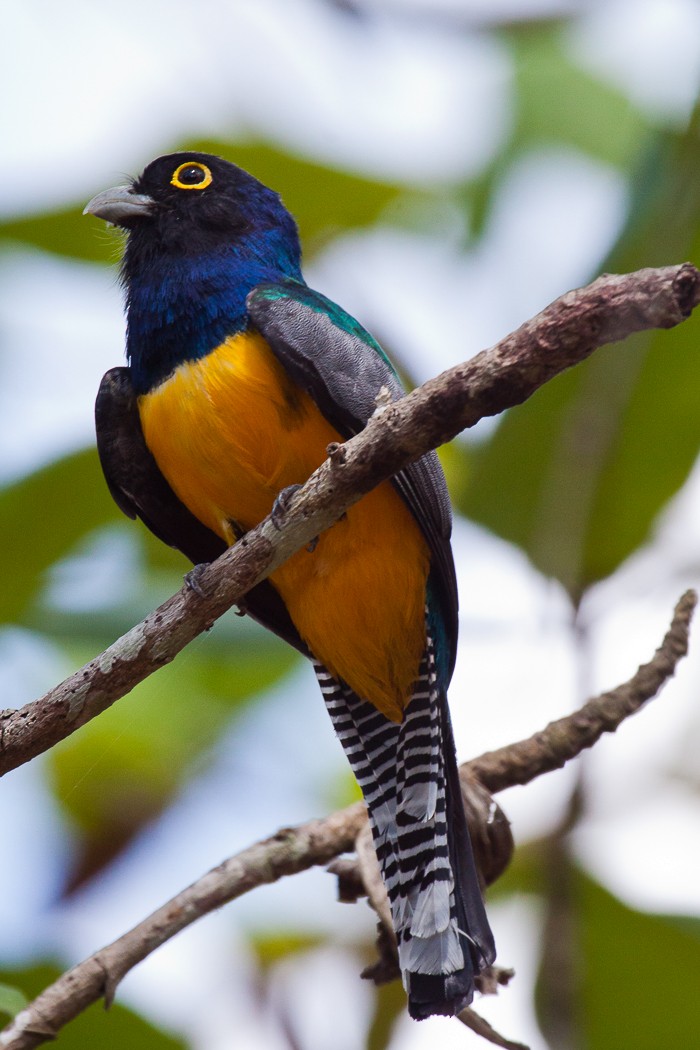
(120,206)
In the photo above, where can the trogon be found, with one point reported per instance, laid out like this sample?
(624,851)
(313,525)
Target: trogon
(239,376)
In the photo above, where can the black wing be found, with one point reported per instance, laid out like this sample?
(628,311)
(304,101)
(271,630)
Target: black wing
(343,369)
(140,490)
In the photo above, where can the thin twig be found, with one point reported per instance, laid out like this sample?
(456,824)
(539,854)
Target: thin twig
(482,1027)
(567,737)
(289,851)
(566,332)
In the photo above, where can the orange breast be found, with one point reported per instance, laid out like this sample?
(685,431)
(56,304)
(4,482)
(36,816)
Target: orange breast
(229,432)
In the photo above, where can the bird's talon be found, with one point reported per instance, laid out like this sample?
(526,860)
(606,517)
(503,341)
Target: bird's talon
(281,504)
(336,452)
(311,547)
(193,579)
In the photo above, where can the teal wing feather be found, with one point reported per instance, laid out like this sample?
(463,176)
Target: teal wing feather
(331,356)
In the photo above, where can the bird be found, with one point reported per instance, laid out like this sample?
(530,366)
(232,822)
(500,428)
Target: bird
(239,377)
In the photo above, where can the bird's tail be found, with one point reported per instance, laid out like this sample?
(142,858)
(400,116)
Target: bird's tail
(408,775)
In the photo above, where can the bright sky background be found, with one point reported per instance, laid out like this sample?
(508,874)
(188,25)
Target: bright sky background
(410,101)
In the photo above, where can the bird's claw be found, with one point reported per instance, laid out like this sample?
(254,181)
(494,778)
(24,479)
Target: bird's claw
(281,504)
(193,579)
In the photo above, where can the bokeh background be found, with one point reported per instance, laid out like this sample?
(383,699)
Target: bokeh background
(454,165)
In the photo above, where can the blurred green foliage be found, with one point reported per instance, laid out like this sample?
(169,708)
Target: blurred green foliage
(78,501)
(576,478)
(12,1000)
(557,103)
(115,1029)
(593,457)
(638,975)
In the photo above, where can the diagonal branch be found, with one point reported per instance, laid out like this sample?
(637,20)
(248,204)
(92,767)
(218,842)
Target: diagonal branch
(293,850)
(566,332)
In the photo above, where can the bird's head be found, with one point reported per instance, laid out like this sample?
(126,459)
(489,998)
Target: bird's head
(201,234)
(192,203)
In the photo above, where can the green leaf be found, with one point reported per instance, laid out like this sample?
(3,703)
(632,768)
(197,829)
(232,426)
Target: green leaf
(639,976)
(96,1027)
(41,518)
(271,948)
(577,475)
(389,1007)
(122,769)
(66,232)
(12,1000)
(557,102)
(557,105)
(342,791)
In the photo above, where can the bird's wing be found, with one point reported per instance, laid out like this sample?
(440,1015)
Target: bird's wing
(140,490)
(343,369)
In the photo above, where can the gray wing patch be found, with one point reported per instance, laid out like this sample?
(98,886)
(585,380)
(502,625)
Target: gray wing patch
(343,369)
(344,373)
(314,349)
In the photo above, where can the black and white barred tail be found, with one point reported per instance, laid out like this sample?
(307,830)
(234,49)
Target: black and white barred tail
(408,775)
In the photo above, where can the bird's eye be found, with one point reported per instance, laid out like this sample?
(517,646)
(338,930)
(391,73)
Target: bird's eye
(191,176)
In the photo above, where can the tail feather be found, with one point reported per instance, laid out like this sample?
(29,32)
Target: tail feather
(418,757)
(369,741)
(409,777)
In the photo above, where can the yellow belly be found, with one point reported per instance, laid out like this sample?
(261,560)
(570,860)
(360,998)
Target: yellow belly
(229,432)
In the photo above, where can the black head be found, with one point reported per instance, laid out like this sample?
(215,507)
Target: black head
(202,233)
(192,202)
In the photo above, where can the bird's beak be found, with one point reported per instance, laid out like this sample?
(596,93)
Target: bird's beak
(120,206)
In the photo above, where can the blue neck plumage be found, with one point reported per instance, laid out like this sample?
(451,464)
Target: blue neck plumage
(182,307)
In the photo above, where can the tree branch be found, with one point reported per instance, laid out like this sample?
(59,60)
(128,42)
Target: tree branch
(566,332)
(317,842)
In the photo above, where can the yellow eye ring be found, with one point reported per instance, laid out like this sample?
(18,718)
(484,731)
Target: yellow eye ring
(193,168)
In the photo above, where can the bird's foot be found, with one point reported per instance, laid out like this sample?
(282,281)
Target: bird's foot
(193,579)
(281,504)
